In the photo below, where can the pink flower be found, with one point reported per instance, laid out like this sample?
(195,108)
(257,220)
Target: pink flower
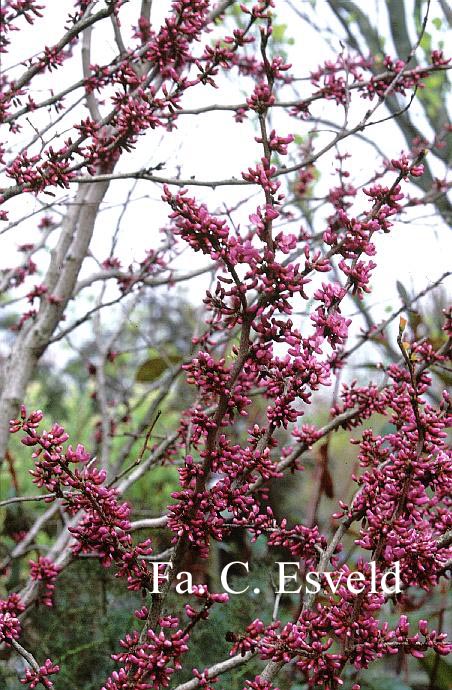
(33,678)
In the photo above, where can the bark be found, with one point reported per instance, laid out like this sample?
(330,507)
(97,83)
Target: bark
(61,279)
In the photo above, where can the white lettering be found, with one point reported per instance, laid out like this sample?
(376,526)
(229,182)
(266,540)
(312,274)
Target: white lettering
(188,581)
(224,577)
(396,589)
(156,576)
(355,576)
(283,577)
(334,586)
(373,579)
(315,583)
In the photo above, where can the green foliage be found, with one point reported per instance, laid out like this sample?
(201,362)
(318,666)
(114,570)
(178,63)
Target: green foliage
(384,683)
(432,96)
(154,367)
(437,23)
(439,671)
(209,644)
(92,611)
(279,35)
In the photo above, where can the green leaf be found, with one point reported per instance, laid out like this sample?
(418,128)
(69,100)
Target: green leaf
(443,672)
(435,82)
(385,683)
(82,648)
(401,289)
(426,42)
(437,23)
(155,366)
(278,32)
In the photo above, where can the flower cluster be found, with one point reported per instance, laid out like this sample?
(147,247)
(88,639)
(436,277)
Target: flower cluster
(45,572)
(10,628)
(104,527)
(207,599)
(302,542)
(149,664)
(33,678)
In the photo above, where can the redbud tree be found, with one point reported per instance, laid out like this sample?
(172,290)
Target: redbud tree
(278,257)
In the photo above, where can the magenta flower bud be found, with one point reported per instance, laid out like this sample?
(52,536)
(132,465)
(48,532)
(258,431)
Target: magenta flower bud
(423,627)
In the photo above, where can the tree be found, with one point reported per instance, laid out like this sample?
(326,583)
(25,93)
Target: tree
(432,102)
(287,253)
